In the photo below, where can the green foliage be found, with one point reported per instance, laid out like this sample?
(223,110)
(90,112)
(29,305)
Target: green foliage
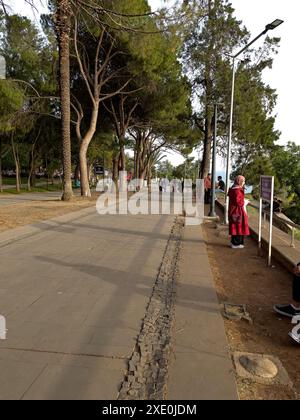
(29,56)
(164,169)
(212,35)
(187,170)
(11,101)
(282,162)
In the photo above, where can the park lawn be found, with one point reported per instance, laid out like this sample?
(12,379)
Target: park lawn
(12,181)
(40,188)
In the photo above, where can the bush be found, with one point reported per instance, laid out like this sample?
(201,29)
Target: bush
(293,213)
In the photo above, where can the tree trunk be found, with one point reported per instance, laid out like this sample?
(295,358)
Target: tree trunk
(17,164)
(84,172)
(31,181)
(122,159)
(63,28)
(84,176)
(115,170)
(205,164)
(149,177)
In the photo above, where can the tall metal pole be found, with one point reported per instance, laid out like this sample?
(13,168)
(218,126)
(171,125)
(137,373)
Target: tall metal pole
(212,212)
(2,76)
(228,165)
(271,224)
(268,27)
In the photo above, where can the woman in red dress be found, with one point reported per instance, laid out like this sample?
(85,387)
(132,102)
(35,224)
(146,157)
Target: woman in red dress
(238,218)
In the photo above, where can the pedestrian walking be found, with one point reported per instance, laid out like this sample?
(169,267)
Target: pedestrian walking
(207,189)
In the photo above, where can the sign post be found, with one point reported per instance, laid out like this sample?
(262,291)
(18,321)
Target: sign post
(266,194)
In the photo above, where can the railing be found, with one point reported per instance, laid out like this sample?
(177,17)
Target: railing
(293,226)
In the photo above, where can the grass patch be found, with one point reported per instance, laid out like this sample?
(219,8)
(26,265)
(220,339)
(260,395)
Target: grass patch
(12,181)
(40,188)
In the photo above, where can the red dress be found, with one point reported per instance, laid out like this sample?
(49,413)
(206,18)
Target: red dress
(238,219)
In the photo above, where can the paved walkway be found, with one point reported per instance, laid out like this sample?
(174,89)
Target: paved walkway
(202,368)
(74,296)
(74,292)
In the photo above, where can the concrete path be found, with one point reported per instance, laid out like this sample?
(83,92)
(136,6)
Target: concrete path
(74,294)
(74,291)
(202,368)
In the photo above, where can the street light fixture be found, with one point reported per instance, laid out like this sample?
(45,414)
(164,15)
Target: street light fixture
(274,24)
(268,27)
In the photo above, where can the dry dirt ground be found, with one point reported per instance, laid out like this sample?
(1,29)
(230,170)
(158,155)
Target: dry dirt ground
(21,214)
(241,277)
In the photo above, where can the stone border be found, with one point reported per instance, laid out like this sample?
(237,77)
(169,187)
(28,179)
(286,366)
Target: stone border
(147,372)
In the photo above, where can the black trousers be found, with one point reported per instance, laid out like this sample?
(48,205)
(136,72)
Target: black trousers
(237,240)
(207,196)
(296,289)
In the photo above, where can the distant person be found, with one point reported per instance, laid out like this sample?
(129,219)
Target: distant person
(164,184)
(293,309)
(207,189)
(220,184)
(129,176)
(277,205)
(237,215)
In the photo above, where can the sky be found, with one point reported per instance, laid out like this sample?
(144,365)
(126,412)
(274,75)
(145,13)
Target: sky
(255,14)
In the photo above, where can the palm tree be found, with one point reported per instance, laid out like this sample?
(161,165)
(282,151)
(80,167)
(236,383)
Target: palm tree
(63,29)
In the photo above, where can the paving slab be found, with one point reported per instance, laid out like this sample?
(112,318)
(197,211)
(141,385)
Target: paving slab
(74,291)
(202,368)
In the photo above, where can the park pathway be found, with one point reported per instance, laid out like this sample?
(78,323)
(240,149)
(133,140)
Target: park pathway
(75,291)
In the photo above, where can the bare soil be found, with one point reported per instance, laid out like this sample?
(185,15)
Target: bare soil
(21,214)
(241,277)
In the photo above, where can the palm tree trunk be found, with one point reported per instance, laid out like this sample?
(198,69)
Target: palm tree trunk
(63,28)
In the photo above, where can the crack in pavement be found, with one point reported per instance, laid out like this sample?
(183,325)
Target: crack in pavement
(103,356)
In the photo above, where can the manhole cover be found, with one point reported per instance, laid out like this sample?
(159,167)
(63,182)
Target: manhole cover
(259,366)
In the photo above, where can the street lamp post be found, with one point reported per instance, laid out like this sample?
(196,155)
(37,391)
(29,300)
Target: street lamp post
(212,212)
(2,77)
(268,27)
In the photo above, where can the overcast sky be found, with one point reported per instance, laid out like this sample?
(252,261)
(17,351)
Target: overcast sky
(284,76)
(255,14)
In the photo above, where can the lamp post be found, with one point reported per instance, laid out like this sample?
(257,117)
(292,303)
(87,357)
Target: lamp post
(2,77)
(212,212)
(268,27)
